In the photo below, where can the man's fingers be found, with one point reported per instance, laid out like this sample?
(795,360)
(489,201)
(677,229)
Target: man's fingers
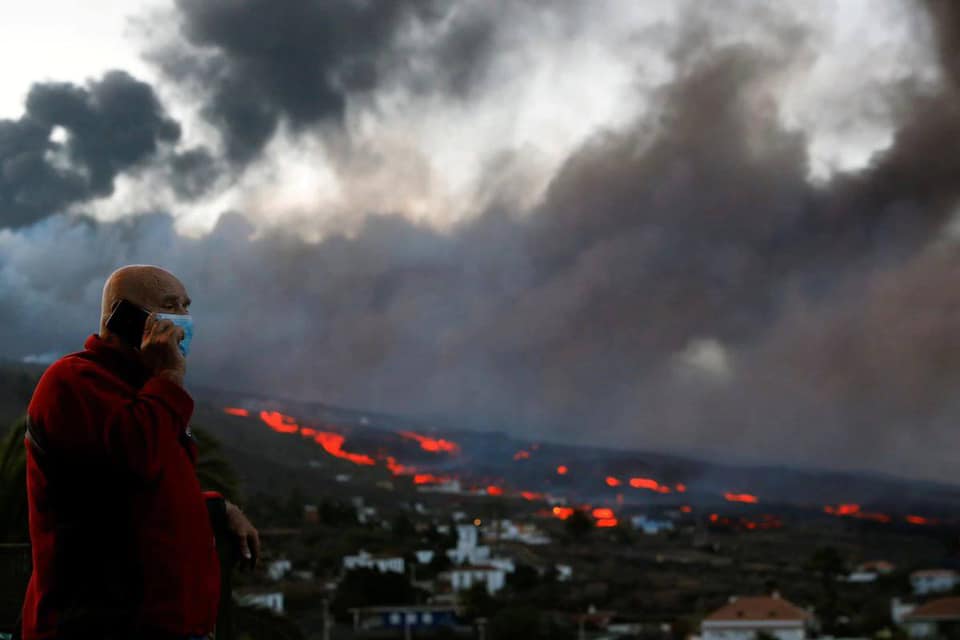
(255,539)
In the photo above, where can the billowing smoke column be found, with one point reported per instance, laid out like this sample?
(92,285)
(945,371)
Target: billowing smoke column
(682,283)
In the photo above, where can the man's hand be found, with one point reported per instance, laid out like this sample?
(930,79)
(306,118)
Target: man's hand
(246,534)
(160,349)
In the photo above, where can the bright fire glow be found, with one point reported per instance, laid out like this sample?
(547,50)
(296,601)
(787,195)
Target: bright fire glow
(494,490)
(612,482)
(607,522)
(602,513)
(396,468)
(332,443)
(855,511)
(649,484)
(741,497)
(531,495)
(842,509)
(562,512)
(434,445)
(307,432)
(680,487)
(279,422)
(234,411)
(428,478)
(562,470)
(920,520)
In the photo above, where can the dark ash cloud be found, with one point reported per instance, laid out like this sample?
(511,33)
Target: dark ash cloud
(681,284)
(260,66)
(297,64)
(112,125)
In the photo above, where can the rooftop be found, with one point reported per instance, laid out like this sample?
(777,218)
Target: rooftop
(758,608)
(939,609)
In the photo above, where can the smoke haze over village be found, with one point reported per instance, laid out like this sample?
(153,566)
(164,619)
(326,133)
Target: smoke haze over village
(640,225)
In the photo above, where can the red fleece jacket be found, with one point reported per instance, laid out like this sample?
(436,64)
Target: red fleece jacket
(120,531)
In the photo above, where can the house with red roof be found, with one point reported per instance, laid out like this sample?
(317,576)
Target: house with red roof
(744,618)
(938,618)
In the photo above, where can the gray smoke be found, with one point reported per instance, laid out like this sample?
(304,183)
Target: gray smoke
(112,125)
(681,284)
(260,64)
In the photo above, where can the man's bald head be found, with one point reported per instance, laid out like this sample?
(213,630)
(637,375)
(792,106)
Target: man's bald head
(153,288)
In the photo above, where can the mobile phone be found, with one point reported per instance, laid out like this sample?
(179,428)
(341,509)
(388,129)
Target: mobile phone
(127,322)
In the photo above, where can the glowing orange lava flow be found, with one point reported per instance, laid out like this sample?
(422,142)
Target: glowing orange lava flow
(920,520)
(494,490)
(562,470)
(680,487)
(649,484)
(521,455)
(842,509)
(434,445)
(234,411)
(613,482)
(562,512)
(855,511)
(741,497)
(602,513)
(332,443)
(396,468)
(606,523)
(429,478)
(279,422)
(531,495)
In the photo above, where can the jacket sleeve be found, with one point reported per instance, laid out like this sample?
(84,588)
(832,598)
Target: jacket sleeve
(136,434)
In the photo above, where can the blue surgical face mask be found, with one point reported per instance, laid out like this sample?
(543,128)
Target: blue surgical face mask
(185,323)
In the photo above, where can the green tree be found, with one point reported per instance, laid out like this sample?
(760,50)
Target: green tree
(524,577)
(516,623)
(828,564)
(477,602)
(369,587)
(579,524)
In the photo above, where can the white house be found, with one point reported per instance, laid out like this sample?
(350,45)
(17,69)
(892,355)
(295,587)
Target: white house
(468,535)
(383,564)
(938,618)
(506,564)
(870,571)
(463,578)
(650,526)
(933,581)
(744,617)
(899,610)
(526,533)
(277,569)
(424,556)
(271,600)
(467,550)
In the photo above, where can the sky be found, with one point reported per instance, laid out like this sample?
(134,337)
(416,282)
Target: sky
(720,228)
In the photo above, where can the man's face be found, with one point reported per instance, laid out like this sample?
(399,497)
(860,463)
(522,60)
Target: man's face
(165,294)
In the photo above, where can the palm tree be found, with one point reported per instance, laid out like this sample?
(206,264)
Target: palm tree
(213,470)
(13,484)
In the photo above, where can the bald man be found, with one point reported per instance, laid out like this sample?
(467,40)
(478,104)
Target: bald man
(121,536)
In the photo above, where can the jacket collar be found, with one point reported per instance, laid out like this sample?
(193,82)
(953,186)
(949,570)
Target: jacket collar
(119,359)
